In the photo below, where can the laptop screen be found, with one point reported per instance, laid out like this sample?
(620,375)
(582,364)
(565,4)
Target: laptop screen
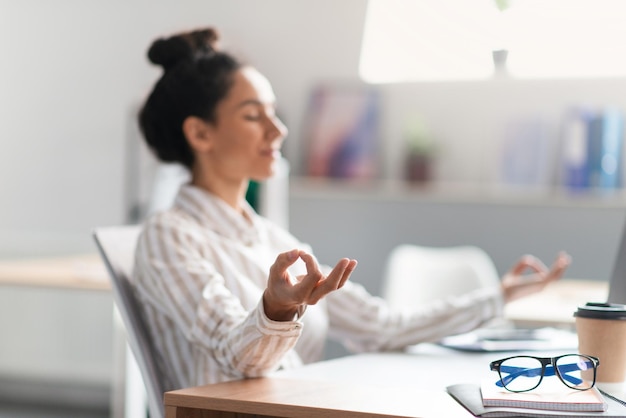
(617,285)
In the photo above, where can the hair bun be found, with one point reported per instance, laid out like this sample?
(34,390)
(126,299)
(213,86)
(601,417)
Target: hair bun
(183,47)
(202,41)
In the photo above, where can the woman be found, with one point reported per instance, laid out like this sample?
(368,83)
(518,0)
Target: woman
(230,295)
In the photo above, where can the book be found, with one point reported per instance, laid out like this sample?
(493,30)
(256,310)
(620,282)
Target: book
(605,149)
(551,394)
(594,149)
(575,149)
(612,144)
(469,396)
(526,153)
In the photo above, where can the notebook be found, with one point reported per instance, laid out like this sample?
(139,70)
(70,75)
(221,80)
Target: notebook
(470,397)
(550,395)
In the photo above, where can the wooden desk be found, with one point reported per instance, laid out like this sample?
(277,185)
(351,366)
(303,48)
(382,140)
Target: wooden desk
(281,397)
(82,272)
(379,384)
(410,384)
(556,304)
(85,272)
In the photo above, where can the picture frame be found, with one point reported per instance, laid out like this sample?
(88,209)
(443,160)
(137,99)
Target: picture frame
(342,131)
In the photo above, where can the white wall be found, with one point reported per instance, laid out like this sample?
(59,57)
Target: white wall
(73,71)
(71,74)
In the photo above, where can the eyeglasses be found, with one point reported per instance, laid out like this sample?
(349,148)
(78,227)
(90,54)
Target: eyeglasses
(524,373)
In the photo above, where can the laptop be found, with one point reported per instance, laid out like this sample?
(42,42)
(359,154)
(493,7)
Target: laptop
(617,283)
(507,338)
(513,339)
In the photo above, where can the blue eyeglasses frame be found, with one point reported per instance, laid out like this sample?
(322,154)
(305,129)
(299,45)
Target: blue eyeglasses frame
(548,368)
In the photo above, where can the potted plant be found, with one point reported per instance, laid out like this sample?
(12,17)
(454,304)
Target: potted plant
(420,152)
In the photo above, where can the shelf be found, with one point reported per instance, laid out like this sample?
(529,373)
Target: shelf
(442,192)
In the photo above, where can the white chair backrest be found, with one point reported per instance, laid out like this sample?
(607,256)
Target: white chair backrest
(117,249)
(417,274)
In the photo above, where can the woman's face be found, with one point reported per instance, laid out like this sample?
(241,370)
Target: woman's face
(247,135)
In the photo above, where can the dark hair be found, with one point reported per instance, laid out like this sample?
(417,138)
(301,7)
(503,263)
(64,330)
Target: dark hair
(196,78)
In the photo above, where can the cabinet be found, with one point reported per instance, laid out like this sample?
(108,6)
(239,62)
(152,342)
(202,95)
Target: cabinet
(57,331)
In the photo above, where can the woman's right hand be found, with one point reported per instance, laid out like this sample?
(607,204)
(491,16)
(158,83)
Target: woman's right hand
(286,295)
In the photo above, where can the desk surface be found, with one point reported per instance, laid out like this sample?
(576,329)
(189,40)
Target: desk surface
(378,384)
(295,398)
(411,383)
(556,304)
(424,366)
(74,272)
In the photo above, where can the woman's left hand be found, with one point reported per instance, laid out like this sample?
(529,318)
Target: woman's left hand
(530,275)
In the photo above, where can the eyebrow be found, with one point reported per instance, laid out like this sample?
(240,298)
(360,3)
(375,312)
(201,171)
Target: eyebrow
(254,102)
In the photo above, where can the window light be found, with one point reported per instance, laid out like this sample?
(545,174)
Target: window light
(426,40)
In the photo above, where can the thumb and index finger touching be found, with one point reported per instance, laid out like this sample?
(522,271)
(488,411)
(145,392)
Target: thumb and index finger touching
(314,275)
(284,261)
(536,266)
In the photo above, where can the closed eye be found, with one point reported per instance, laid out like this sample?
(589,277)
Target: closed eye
(254,110)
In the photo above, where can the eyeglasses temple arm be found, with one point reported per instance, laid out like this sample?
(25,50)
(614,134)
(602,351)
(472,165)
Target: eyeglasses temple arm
(515,372)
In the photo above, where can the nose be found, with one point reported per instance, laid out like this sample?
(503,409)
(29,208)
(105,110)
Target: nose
(277,129)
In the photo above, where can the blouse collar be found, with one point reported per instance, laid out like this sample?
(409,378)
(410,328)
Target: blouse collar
(214,213)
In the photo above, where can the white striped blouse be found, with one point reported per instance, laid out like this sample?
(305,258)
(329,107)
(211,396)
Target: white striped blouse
(200,272)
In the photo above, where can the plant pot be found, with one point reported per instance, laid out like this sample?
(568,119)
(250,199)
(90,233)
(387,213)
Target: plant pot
(418,168)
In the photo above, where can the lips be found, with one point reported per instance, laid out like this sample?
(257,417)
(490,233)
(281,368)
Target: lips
(274,153)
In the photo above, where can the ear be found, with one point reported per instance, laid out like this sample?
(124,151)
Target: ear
(198,133)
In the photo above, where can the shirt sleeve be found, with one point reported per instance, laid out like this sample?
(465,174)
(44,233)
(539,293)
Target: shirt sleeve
(181,281)
(363,322)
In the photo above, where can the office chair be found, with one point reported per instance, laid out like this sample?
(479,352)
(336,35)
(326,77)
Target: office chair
(417,274)
(117,249)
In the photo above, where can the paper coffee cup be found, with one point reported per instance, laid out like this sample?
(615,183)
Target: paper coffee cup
(601,329)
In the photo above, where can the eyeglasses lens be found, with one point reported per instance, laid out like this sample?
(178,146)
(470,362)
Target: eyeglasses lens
(577,372)
(520,374)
